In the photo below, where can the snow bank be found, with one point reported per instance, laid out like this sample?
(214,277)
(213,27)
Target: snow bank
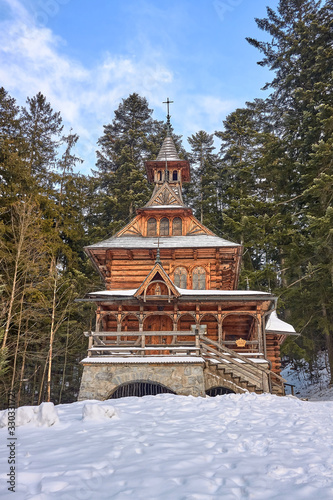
(232,447)
(44,415)
(93,411)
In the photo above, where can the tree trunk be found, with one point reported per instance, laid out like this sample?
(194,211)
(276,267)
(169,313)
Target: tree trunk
(18,336)
(54,269)
(22,367)
(65,364)
(329,340)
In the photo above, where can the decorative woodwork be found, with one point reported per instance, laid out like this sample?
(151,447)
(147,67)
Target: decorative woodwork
(159,256)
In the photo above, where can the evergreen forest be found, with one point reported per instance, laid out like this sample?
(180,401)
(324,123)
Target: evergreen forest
(265,180)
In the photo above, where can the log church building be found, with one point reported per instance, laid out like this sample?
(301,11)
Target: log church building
(171,317)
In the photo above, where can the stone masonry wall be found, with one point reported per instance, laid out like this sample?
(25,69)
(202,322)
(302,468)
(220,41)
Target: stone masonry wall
(100,380)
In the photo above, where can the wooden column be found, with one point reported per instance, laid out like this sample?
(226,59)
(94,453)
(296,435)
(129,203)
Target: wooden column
(219,325)
(259,332)
(197,314)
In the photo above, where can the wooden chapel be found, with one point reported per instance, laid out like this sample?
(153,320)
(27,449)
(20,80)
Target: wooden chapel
(171,318)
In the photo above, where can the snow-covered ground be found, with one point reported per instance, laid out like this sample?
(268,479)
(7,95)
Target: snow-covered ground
(313,388)
(170,447)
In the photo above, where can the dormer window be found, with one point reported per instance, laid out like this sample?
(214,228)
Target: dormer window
(164,227)
(177,226)
(199,278)
(151,227)
(180,277)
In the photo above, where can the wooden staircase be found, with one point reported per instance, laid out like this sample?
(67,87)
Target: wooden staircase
(245,372)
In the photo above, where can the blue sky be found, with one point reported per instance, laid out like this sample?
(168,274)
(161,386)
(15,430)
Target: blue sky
(86,56)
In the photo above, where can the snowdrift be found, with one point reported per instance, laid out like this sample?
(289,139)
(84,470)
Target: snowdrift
(165,447)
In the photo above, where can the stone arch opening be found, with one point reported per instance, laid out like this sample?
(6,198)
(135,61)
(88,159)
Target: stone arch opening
(140,388)
(218,391)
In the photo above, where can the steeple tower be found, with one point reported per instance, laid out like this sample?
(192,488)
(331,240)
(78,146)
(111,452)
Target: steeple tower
(168,172)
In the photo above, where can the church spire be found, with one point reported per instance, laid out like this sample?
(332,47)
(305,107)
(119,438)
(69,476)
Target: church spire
(168,102)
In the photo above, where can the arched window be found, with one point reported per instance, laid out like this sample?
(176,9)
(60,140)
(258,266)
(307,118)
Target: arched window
(180,277)
(164,227)
(159,175)
(151,227)
(199,278)
(177,226)
(175,175)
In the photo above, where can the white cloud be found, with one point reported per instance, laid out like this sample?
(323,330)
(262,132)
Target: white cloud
(34,59)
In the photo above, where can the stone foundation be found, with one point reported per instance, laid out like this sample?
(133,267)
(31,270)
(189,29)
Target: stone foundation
(100,380)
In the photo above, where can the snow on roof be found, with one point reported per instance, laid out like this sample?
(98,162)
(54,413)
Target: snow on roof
(115,293)
(195,241)
(185,293)
(144,359)
(229,293)
(276,325)
(165,206)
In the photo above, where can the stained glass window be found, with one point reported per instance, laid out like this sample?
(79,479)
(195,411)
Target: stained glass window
(177,226)
(199,278)
(180,277)
(151,227)
(164,227)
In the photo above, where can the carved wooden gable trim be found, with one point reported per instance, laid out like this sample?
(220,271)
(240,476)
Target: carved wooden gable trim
(132,229)
(165,195)
(157,274)
(195,227)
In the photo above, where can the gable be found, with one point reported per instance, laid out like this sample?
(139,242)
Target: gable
(131,229)
(157,284)
(165,195)
(195,227)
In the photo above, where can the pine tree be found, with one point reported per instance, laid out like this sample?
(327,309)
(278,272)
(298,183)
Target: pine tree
(205,196)
(301,55)
(41,129)
(120,180)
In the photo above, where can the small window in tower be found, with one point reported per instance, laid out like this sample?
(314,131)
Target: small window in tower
(199,278)
(164,227)
(177,226)
(175,175)
(159,175)
(180,277)
(151,227)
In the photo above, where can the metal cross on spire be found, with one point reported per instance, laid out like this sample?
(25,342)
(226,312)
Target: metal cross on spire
(168,102)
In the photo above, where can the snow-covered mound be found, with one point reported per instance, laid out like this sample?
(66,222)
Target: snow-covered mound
(43,415)
(169,447)
(93,411)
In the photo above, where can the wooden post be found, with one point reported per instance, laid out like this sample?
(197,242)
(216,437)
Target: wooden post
(259,333)
(219,324)
(90,344)
(197,341)
(119,323)
(265,382)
